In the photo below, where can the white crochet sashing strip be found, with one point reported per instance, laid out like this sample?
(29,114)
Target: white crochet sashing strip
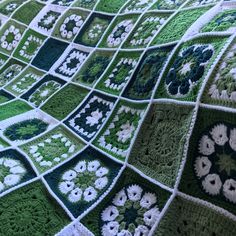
(218,107)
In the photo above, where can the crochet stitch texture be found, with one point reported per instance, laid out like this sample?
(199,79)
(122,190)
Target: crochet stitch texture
(117,118)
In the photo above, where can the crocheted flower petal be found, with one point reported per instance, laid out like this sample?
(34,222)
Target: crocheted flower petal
(110,213)
(134,192)
(212,184)
(206,146)
(101,183)
(120,198)
(75,195)
(93,165)
(148,200)
(80,167)
(11,179)
(69,175)
(232,140)
(229,190)
(66,186)
(110,229)
(90,194)
(151,216)
(202,166)
(141,230)
(219,134)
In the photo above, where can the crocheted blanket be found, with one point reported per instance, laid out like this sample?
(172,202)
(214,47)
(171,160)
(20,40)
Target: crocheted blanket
(117,117)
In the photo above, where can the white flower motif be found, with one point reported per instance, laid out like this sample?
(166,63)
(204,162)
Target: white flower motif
(212,184)
(229,190)
(95,31)
(206,146)
(35,43)
(202,166)
(130,198)
(14,34)
(88,119)
(129,64)
(73,185)
(43,158)
(71,26)
(126,132)
(134,192)
(11,7)
(119,33)
(137,38)
(209,169)
(72,63)
(219,134)
(94,118)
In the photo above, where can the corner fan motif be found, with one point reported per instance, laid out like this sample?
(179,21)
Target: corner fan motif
(117,117)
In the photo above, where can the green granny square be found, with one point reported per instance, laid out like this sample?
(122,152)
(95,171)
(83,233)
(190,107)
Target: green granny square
(158,148)
(31,210)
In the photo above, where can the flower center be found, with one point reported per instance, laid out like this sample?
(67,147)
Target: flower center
(85,179)
(119,32)
(226,163)
(130,215)
(10,37)
(186,68)
(70,25)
